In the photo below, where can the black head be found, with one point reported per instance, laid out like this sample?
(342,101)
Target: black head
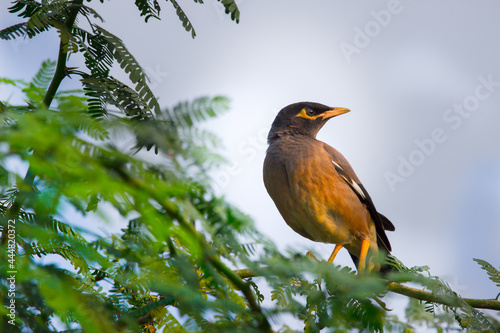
(303,118)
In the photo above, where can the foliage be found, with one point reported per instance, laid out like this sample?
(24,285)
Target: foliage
(172,265)
(493,273)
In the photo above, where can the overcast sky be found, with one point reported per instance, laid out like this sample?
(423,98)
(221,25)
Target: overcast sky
(422,79)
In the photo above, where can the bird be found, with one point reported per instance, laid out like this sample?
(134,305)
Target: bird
(316,190)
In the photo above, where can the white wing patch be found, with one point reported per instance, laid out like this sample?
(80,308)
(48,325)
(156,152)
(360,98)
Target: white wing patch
(348,179)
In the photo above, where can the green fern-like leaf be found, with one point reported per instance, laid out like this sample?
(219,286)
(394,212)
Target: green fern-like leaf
(53,247)
(26,7)
(429,307)
(53,225)
(170,323)
(148,9)
(173,131)
(493,273)
(50,15)
(279,296)
(186,114)
(35,90)
(102,91)
(231,8)
(94,129)
(184,19)
(96,51)
(42,78)
(88,11)
(130,65)
(480,322)
(14,31)
(475,321)
(14,83)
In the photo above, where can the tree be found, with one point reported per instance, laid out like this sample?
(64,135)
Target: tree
(187,260)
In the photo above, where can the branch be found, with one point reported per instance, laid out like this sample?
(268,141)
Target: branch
(61,69)
(245,289)
(59,74)
(415,293)
(423,295)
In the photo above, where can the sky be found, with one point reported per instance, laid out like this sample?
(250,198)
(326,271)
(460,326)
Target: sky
(422,80)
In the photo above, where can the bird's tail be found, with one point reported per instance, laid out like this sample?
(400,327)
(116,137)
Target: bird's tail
(386,223)
(384,247)
(355,259)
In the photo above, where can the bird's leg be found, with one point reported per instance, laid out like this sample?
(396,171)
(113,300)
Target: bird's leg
(365,244)
(334,253)
(311,255)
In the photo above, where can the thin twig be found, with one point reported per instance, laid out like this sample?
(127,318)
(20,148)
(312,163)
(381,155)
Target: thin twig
(441,299)
(415,293)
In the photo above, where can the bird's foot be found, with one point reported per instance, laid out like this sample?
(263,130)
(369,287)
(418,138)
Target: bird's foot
(382,304)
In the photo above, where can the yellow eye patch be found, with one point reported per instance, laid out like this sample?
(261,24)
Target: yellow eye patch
(303,114)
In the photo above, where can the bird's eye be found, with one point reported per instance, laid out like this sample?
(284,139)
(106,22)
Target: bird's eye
(310,112)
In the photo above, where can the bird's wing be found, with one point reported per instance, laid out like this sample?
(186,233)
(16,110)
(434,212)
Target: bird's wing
(345,170)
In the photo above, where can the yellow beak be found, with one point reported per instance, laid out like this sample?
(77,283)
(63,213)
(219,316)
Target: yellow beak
(334,112)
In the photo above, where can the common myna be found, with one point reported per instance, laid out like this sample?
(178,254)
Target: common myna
(316,190)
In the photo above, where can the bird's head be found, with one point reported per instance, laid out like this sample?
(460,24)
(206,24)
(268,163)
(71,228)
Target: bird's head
(305,118)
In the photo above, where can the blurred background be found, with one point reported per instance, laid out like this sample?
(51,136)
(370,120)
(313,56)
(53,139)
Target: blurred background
(422,80)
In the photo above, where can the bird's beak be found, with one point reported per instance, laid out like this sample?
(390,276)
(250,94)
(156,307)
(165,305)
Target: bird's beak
(334,112)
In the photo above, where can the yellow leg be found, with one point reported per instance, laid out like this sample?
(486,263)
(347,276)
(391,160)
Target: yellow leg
(334,253)
(365,244)
(310,255)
